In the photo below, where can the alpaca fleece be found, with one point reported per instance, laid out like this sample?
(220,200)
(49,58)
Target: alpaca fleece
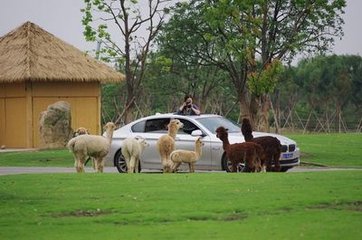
(95,146)
(271,146)
(186,156)
(166,144)
(132,149)
(248,152)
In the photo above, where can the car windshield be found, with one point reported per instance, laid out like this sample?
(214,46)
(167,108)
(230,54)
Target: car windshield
(212,123)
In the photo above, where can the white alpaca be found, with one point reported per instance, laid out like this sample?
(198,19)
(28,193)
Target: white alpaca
(166,144)
(132,149)
(186,156)
(95,146)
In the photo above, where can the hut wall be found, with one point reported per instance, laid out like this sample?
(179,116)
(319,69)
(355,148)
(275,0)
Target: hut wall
(13,127)
(22,103)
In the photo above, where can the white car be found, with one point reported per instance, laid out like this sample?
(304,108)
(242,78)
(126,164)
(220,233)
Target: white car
(213,157)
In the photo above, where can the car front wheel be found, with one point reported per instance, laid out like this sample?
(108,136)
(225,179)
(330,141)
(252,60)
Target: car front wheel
(284,169)
(120,162)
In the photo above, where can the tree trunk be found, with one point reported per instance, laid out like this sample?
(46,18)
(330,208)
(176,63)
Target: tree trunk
(245,107)
(263,119)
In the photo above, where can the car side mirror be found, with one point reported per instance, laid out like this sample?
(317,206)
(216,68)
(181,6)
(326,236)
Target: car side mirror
(197,133)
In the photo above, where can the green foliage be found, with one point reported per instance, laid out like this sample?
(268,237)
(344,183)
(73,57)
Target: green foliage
(328,80)
(111,102)
(234,35)
(317,205)
(264,81)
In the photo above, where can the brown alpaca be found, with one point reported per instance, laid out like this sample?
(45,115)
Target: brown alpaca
(166,144)
(270,145)
(185,156)
(248,152)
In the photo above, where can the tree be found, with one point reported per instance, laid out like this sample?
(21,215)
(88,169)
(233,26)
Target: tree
(135,26)
(243,38)
(327,82)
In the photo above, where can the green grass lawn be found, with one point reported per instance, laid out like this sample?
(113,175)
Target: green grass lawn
(343,150)
(313,205)
(41,158)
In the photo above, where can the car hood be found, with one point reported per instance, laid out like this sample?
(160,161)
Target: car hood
(238,137)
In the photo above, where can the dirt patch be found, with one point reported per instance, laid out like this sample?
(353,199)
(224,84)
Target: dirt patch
(351,206)
(82,213)
(235,217)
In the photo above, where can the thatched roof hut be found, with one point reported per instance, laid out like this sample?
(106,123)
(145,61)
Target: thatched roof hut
(31,53)
(38,69)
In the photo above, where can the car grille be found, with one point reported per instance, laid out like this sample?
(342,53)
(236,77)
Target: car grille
(288,148)
(289,161)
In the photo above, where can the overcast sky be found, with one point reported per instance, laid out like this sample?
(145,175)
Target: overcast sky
(63,19)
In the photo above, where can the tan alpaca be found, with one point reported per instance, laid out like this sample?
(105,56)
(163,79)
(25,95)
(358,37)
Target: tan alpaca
(186,156)
(95,146)
(166,144)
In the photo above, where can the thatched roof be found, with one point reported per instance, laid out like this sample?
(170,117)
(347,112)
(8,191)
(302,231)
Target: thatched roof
(30,53)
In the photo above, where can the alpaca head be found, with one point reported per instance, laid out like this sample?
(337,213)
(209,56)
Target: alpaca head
(221,133)
(110,126)
(175,125)
(142,142)
(80,131)
(199,142)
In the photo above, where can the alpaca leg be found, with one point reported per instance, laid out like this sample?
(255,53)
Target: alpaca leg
(93,163)
(276,162)
(246,160)
(269,162)
(164,165)
(99,164)
(234,167)
(169,165)
(164,161)
(137,165)
(192,167)
(78,166)
(79,163)
(175,166)
(132,164)
(128,163)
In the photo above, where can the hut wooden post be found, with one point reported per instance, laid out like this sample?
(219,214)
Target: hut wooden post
(29,114)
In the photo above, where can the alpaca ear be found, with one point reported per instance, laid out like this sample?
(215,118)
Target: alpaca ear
(226,129)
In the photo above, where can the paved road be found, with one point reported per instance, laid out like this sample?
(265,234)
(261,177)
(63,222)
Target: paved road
(37,170)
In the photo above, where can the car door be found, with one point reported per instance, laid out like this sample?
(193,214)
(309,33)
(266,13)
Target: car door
(152,130)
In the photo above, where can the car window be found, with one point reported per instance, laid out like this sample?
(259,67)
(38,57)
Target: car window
(139,127)
(212,123)
(157,125)
(188,127)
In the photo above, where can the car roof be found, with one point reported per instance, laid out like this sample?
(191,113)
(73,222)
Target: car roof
(175,115)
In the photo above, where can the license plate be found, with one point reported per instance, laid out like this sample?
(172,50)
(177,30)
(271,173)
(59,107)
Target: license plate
(287,155)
